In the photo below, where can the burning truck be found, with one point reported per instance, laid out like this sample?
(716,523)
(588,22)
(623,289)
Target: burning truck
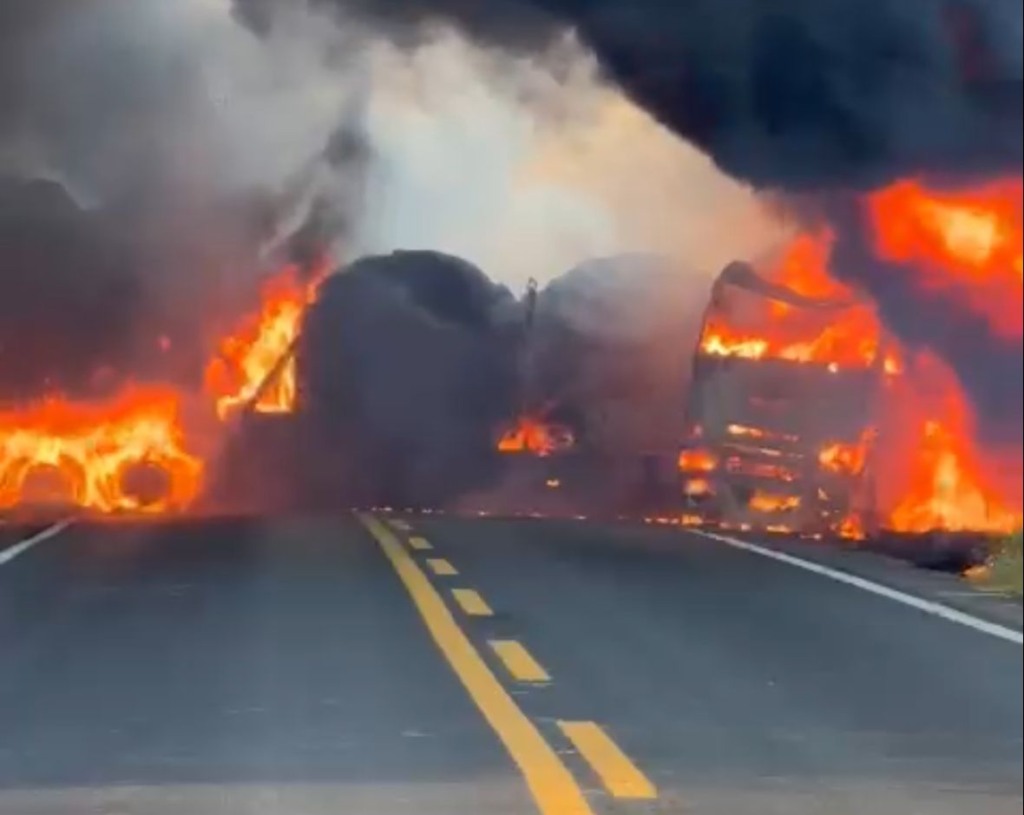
(819,408)
(782,442)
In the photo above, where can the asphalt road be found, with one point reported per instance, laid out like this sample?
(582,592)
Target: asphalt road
(316,666)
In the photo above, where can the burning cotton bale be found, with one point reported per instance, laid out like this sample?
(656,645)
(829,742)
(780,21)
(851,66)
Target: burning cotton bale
(405,369)
(611,350)
(604,362)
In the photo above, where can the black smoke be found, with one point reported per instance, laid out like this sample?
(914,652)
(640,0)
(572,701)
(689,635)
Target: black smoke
(792,93)
(333,183)
(87,286)
(91,298)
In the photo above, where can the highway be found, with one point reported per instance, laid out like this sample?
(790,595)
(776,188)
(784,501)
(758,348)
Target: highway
(388,665)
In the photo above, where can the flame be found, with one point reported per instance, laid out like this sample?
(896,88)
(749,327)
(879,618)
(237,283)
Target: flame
(759,469)
(92,446)
(947,488)
(88,448)
(745,430)
(847,337)
(532,435)
(750,432)
(249,354)
(766,502)
(965,244)
(962,244)
(697,486)
(851,527)
(845,457)
(701,461)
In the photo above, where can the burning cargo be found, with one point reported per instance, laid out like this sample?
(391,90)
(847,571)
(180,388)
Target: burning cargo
(601,355)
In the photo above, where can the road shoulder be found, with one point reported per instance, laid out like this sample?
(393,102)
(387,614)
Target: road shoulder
(934,586)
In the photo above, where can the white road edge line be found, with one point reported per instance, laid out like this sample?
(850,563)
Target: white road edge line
(927,606)
(11,552)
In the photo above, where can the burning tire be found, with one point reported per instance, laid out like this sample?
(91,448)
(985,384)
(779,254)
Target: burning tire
(145,483)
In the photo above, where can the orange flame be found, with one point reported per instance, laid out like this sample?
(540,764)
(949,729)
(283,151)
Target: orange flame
(965,243)
(248,355)
(697,486)
(851,527)
(759,469)
(766,502)
(845,457)
(838,337)
(746,431)
(531,435)
(94,446)
(947,489)
(701,461)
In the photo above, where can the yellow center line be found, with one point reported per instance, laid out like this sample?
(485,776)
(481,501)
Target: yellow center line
(552,786)
(420,544)
(472,603)
(519,662)
(620,776)
(441,567)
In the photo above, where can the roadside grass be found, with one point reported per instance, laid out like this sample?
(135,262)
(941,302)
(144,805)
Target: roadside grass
(1003,572)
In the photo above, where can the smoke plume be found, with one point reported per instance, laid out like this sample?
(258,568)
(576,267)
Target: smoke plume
(527,166)
(809,93)
(153,156)
(799,95)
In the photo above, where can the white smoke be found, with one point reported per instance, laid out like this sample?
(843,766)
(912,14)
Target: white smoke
(527,167)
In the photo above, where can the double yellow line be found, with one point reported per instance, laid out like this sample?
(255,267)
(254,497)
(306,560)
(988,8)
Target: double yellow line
(551,784)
